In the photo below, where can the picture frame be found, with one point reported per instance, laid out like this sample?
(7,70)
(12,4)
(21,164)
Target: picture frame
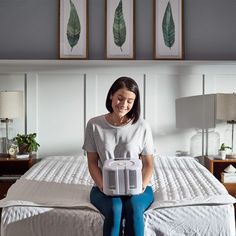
(73,29)
(120,27)
(168,29)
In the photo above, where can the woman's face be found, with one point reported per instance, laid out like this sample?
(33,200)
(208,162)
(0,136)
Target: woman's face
(122,101)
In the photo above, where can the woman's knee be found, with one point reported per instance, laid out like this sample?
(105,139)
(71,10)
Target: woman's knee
(133,207)
(139,203)
(109,207)
(116,207)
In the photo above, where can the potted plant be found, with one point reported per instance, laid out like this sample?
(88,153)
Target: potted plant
(223,150)
(26,143)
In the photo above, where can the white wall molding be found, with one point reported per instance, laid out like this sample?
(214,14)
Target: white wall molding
(63,95)
(68,66)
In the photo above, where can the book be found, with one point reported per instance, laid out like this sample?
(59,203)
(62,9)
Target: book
(228,177)
(229,173)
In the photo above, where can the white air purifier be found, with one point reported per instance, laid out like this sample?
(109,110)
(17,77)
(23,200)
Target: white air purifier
(122,177)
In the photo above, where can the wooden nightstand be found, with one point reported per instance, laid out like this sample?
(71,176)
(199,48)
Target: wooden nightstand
(216,167)
(11,169)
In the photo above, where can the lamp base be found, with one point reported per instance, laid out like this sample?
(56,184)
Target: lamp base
(5,140)
(231,156)
(4,145)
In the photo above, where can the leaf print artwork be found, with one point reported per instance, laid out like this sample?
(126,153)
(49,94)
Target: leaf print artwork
(168,27)
(73,26)
(119,27)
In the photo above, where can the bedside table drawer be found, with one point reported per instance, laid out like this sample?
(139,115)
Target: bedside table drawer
(4,186)
(12,169)
(231,188)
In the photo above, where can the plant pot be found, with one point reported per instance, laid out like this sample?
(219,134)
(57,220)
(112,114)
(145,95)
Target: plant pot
(222,155)
(23,149)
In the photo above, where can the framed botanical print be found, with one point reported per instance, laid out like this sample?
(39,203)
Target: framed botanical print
(120,23)
(168,29)
(73,29)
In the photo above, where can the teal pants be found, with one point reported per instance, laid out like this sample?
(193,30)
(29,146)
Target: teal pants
(114,209)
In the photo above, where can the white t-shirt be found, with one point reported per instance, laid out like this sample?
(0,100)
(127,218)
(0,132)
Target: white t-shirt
(115,142)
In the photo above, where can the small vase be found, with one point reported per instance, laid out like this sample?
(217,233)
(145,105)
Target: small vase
(222,155)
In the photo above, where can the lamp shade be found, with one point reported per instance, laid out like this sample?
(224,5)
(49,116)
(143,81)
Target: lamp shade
(11,104)
(226,106)
(195,112)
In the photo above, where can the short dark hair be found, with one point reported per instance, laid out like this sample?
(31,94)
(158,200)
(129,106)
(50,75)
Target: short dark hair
(131,85)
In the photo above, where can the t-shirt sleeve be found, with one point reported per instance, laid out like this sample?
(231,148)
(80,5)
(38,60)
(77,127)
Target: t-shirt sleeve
(89,143)
(148,148)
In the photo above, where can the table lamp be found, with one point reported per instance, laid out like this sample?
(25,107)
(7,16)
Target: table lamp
(226,111)
(11,106)
(198,112)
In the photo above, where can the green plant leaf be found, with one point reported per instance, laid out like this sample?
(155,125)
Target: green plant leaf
(73,26)
(119,27)
(28,140)
(223,147)
(168,27)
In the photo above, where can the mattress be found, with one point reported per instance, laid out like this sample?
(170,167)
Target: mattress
(52,198)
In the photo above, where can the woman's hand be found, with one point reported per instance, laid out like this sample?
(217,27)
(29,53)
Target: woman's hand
(143,188)
(147,170)
(101,188)
(94,170)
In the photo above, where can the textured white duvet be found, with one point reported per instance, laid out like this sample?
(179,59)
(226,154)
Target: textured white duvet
(188,201)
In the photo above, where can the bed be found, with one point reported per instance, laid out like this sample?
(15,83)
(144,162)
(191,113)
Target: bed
(52,198)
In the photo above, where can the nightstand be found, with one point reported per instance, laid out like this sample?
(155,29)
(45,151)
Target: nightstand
(11,169)
(216,167)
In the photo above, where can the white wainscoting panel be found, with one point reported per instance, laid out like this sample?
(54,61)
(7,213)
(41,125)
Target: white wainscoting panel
(60,113)
(161,93)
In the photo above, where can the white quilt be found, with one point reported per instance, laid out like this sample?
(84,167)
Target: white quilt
(180,181)
(64,182)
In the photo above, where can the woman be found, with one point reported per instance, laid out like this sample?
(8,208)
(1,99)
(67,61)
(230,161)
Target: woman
(120,134)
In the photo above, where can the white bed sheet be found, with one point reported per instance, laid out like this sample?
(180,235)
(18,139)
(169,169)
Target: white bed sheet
(188,201)
(177,221)
(217,220)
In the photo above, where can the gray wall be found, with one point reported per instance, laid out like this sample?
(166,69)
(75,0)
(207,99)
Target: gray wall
(29,29)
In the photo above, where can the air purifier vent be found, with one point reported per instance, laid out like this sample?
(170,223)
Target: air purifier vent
(122,177)
(111,179)
(132,179)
